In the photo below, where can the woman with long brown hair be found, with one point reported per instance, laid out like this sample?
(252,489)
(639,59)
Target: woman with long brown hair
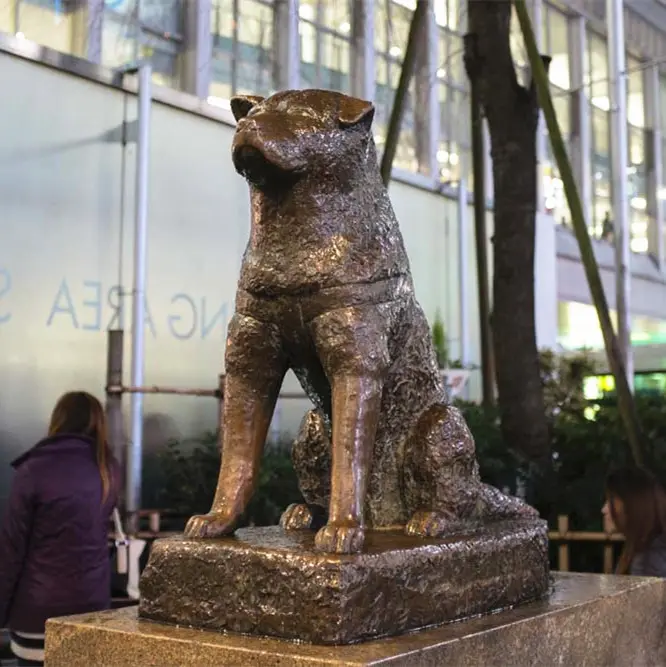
(636,505)
(54,555)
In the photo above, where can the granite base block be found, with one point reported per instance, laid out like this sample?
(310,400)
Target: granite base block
(268,582)
(588,621)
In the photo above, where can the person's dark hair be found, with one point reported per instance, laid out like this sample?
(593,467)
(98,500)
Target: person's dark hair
(644,501)
(80,413)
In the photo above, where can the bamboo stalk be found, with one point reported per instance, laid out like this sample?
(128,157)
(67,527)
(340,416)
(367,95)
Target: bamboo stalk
(480,234)
(416,29)
(626,402)
(583,536)
(608,547)
(563,549)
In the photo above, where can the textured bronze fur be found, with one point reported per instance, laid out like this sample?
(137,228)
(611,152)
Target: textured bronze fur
(325,290)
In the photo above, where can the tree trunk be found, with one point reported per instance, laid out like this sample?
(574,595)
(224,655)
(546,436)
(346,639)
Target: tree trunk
(512,114)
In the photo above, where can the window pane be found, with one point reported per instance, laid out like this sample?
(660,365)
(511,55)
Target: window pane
(596,72)
(247,65)
(308,35)
(450,63)
(7,17)
(221,77)
(406,153)
(562,106)
(447,13)
(392,23)
(518,50)
(123,39)
(455,138)
(635,95)
(553,189)
(163,58)
(255,76)
(336,15)
(222,21)
(392,20)
(558,49)
(41,23)
(119,41)
(222,31)
(637,191)
(307,10)
(334,61)
(255,24)
(384,93)
(601,174)
(381,26)
(161,15)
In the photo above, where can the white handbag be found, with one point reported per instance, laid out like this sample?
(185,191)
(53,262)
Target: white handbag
(128,555)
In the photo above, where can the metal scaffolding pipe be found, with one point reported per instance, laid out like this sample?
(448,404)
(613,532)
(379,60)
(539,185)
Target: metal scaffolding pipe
(114,377)
(619,162)
(135,445)
(118,390)
(176,391)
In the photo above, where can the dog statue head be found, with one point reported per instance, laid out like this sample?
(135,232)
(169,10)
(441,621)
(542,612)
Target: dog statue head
(297,134)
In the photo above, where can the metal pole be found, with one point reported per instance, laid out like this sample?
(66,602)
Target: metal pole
(17,17)
(414,42)
(235,47)
(619,158)
(286,50)
(135,445)
(362,50)
(114,378)
(174,391)
(463,286)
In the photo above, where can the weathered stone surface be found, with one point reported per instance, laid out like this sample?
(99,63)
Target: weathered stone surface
(588,621)
(274,583)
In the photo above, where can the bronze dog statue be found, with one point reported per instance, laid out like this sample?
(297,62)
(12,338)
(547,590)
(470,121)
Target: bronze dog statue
(325,290)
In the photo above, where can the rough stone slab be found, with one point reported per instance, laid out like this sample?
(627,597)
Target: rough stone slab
(268,582)
(588,621)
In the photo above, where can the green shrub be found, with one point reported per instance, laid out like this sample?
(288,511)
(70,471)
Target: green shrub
(587,440)
(184,477)
(440,342)
(562,378)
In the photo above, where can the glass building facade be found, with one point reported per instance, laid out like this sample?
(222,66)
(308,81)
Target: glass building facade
(216,48)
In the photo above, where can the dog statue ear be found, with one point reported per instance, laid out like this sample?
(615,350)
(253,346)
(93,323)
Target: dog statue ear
(242,104)
(354,112)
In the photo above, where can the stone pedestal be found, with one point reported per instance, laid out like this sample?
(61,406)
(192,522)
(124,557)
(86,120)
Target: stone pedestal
(267,582)
(588,620)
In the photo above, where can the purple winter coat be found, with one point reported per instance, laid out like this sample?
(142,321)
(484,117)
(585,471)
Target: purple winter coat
(54,554)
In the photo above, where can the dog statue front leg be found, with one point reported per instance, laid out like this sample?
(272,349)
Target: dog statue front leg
(255,368)
(354,356)
(356,403)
